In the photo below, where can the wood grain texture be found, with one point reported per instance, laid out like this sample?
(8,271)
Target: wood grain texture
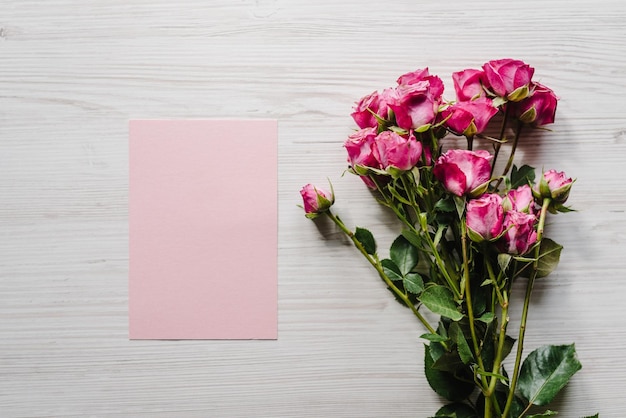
(71,75)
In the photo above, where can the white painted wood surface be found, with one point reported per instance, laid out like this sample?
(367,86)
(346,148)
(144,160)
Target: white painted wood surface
(73,72)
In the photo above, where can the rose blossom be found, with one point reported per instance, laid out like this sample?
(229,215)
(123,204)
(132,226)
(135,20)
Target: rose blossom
(509,78)
(554,185)
(468,84)
(519,233)
(485,217)
(469,118)
(416,100)
(393,150)
(520,200)
(462,171)
(359,146)
(375,102)
(539,108)
(316,200)
(413,77)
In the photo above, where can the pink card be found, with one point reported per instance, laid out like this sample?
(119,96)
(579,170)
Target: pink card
(203,229)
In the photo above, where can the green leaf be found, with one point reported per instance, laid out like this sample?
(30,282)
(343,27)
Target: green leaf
(413,238)
(548,413)
(449,361)
(593,416)
(404,255)
(546,371)
(445,205)
(459,202)
(440,300)
(524,175)
(444,383)
(487,317)
(434,337)
(391,270)
(366,239)
(413,283)
(397,195)
(549,255)
(503,261)
(456,335)
(456,410)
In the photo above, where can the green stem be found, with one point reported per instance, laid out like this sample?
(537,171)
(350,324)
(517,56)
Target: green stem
(529,290)
(509,162)
(470,308)
(499,144)
(376,264)
(500,351)
(438,261)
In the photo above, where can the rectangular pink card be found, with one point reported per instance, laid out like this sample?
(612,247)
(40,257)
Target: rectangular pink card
(203,229)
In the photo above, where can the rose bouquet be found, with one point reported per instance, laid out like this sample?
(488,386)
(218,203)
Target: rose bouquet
(468,231)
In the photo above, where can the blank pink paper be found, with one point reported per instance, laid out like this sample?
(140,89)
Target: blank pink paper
(203,229)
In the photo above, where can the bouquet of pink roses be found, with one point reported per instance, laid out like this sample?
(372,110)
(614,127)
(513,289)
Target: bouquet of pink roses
(468,231)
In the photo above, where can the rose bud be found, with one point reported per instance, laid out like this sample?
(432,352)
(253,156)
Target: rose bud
(396,152)
(316,200)
(520,200)
(485,217)
(509,78)
(554,185)
(468,84)
(359,146)
(519,233)
(416,105)
(469,118)
(464,172)
(374,103)
(539,108)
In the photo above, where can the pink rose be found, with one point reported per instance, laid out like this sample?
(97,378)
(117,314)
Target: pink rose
(554,185)
(485,217)
(519,233)
(316,200)
(520,200)
(509,78)
(375,102)
(539,108)
(462,171)
(360,148)
(413,77)
(393,150)
(468,84)
(469,118)
(416,100)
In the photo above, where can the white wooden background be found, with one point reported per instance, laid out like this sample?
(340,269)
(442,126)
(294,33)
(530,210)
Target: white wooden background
(72,73)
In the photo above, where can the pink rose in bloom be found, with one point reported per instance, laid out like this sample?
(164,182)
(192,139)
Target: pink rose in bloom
(507,75)
(413,77)
(316,200)
(485,217)
(468,84)
(469,118)
(416,101)
(375,102)
(554,185)
(539,108)
(360,148)
(519,233)
(462,171)
(520,200)
(393,150)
